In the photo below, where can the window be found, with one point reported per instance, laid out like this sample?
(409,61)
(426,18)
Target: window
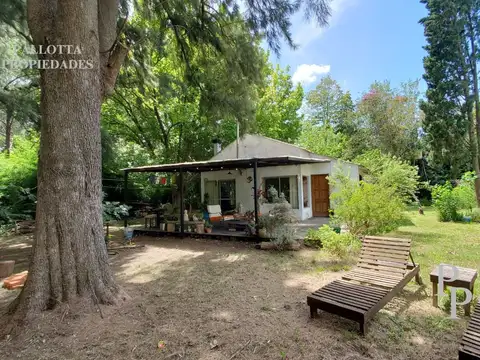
(221,192)
(212,192)
(227,194)
(286,185)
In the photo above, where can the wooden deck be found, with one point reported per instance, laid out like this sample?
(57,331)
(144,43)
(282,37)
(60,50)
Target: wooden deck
(215,234)
(470,344)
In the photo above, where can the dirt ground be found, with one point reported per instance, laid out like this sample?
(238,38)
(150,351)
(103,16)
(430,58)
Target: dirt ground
(209,300)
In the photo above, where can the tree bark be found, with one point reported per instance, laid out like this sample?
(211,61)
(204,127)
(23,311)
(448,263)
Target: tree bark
(69,259)
(9,131)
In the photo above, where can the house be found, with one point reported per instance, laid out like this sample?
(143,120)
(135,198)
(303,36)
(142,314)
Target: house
(305,185)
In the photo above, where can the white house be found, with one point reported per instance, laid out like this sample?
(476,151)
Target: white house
(305,185)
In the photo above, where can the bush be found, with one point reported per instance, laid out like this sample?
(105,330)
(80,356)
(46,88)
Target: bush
(313,239)
(366,208)
(339,245)
(445,203)
(18,179)
(391,172)
(278,223)
(449,201)
(475,215)
(446,300)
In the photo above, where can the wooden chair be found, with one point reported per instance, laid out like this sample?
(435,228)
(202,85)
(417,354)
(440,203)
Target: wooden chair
(381,272)
(470,343)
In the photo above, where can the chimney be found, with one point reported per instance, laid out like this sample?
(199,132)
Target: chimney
(217,147)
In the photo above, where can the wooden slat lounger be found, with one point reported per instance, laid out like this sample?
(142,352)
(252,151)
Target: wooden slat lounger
(381,272)
(470,344)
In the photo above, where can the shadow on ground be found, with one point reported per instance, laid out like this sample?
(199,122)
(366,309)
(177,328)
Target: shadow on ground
(207,299)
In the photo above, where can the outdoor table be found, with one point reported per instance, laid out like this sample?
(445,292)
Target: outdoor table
(466,279)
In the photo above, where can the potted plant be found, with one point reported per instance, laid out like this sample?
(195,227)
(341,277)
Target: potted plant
(208,227)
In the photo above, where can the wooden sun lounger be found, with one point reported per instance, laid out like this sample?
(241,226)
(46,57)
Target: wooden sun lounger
(470,344)
(382,271)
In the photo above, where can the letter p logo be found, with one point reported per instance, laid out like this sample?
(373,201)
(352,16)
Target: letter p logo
(450,274)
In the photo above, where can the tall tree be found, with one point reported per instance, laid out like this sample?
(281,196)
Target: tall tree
(452,109)
(391,119)
(69,255)
(324,103)
(277,113)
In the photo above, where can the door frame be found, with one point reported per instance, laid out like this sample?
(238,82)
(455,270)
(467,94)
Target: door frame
(313,199)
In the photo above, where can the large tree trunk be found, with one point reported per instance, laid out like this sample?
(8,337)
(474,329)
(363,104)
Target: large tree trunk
(70,260)
(9,131)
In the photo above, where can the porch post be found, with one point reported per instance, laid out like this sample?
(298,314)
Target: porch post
(255,195)
(300,194)
(182,205)
(125,195)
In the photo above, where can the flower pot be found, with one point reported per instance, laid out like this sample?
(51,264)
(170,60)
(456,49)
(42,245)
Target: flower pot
(262,233)
(200,228)
(162,226)
(208,230)
(170,227)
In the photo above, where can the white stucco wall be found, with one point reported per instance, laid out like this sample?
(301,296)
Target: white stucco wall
(244,190)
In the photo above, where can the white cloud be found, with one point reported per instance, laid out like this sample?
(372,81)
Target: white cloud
(308,73)
(308,31)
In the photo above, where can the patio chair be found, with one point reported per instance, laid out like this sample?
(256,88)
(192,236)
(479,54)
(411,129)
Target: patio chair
(215,214)
(381,273)
(470,343)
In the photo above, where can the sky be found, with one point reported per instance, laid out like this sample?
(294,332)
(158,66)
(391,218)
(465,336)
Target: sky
(366,41)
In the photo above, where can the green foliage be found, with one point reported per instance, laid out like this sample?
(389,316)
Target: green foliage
(449,201)
(18,180)
(322,140)
(277,113)
(475,214)
(445,202)
(313,238)
(390,172)
(339,245)
(450,74)
(114,211)
(366,208)
(324,107)
(278,223)
(391,118)
(446,301)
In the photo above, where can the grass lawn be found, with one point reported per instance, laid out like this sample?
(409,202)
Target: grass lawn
(435,242)
(221,300)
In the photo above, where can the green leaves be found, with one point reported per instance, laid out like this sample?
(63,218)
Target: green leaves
(277,113)
(391,172)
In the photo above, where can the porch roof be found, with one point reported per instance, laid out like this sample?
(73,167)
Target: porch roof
(230,164)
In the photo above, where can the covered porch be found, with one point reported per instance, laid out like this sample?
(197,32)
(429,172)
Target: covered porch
(233,226)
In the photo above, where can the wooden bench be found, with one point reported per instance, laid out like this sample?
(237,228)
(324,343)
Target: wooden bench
(381,272)
(470,343)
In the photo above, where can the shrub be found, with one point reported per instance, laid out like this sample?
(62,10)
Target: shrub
(475,215)
(445,203)
(446,300)
(114,211)
(313,239)
(449,201)
(278,223)
(390,171)
(339,245)
(366,208)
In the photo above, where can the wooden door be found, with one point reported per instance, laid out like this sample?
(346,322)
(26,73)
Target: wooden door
(320,195)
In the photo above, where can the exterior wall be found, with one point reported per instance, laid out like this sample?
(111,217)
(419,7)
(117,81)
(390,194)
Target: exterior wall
(244,190)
